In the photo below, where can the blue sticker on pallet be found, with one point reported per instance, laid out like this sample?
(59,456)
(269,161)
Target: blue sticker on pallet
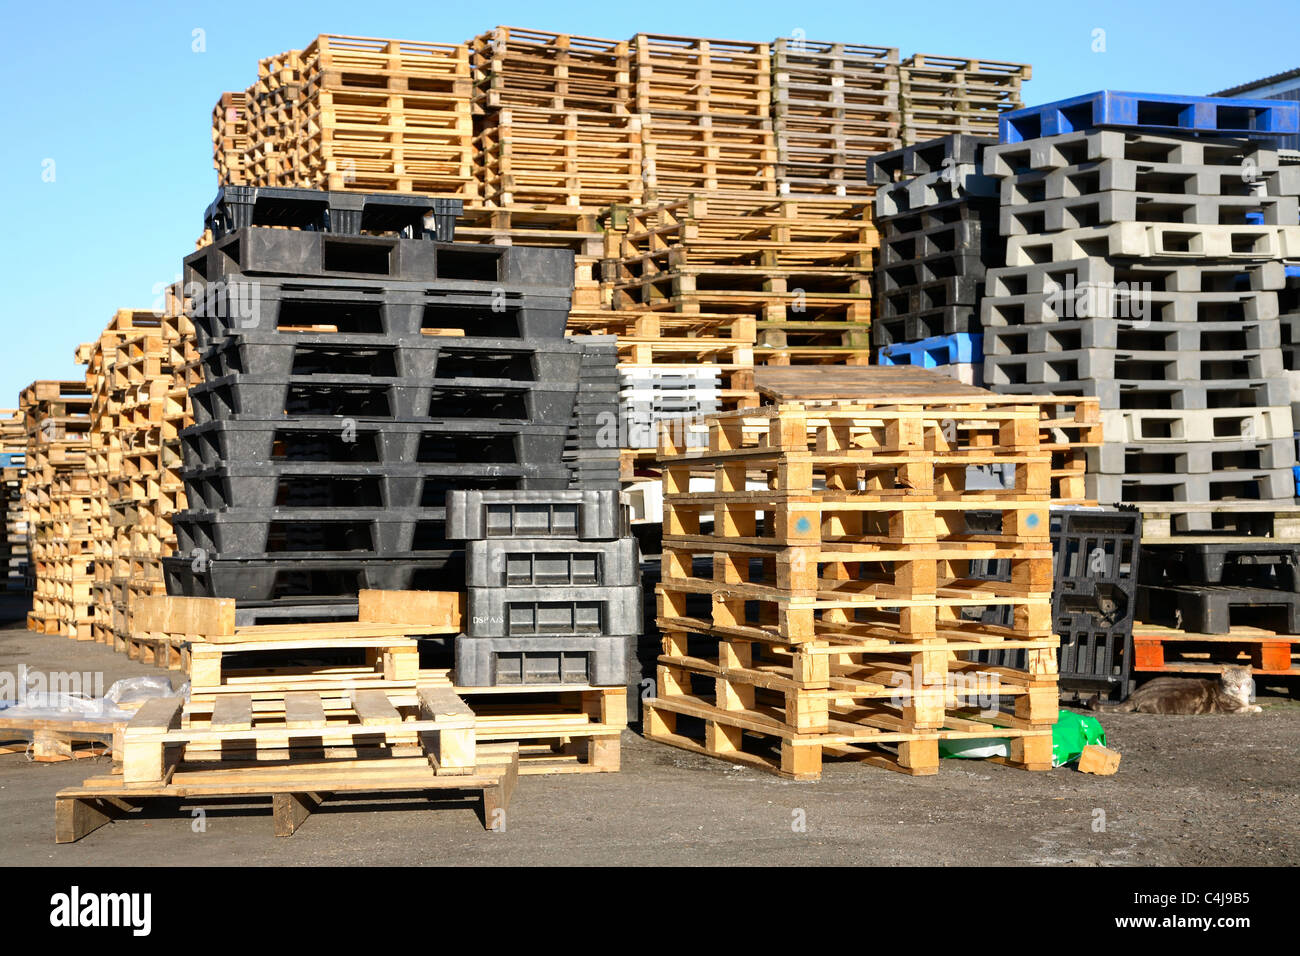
(1157,112)
(953,349)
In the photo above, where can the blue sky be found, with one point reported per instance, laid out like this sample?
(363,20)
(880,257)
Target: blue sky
(116,96)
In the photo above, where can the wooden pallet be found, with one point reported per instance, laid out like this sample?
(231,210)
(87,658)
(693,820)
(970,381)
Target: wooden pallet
(532,69)
(1170,651)
(562,729)
(939,95)
(50,740)
(295,789)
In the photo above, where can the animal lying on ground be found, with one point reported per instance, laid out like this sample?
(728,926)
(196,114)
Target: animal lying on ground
(1230,694)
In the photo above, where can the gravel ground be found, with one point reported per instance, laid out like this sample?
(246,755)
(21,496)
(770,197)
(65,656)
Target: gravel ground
(1190,791)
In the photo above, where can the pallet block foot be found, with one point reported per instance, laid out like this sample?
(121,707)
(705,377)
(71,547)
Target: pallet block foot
(291,810)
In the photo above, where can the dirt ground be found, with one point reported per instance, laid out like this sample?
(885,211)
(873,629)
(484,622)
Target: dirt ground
(1190,791)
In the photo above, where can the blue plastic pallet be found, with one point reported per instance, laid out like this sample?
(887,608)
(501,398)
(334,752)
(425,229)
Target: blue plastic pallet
(1295,470)
(1158,112)
(939,350)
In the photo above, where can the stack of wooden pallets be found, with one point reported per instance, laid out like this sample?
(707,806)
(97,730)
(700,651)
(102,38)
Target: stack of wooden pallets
(812,602)
(104,461)
(230,137)
(554,126)
(56,494)
(939,95)
(705,110)
(271,121)
(799,267)
(296,732)
(13,452)
(833,105)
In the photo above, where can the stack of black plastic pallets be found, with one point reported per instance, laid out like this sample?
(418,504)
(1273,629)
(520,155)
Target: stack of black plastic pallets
(1209,587)
(351,381)
(1096,565)
(937,217)
(554,588)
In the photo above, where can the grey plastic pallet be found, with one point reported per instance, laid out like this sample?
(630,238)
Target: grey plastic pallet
(263,398)
(374,307)
(1142,240)
(1108,363)
(595,660)
(1132,335)
(548,562)
(581,515)
(1115,206)
(528,611)
(1145,176)
(1169,397)
(326,439)
(1134,426)
(1162,277)
(1189,458)
(1072,149)
(1220,486)
(288,252)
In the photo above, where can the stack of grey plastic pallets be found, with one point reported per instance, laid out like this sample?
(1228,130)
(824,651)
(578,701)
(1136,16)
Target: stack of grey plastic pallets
(937,216)
(1144,268)
(554,588)
(650,396)
(349,382)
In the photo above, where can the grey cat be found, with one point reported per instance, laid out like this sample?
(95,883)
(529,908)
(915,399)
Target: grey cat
(1230,694)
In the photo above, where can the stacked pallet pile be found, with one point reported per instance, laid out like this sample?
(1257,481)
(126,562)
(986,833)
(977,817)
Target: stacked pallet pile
(355,112)
(349,382)
(939,95)
(705,110)
(937,216)
(57,491)
(301,734)
(230,138)
(812,619)
(13,456)
(834,105)
(1143,270)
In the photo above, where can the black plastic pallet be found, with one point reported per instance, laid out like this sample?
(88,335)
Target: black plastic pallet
(357,397)
(595,660)
(579,515)
(921,159)
(281,355)
(402,311)
(1254,564)
(331,439)
(400,484)
(306,580)
(334,211)
(1215,608)
(551,562)
(252,252)
(248,533)
(947,320)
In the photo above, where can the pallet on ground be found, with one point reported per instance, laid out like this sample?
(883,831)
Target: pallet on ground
(51,739)
(561,729)
(1173,651)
